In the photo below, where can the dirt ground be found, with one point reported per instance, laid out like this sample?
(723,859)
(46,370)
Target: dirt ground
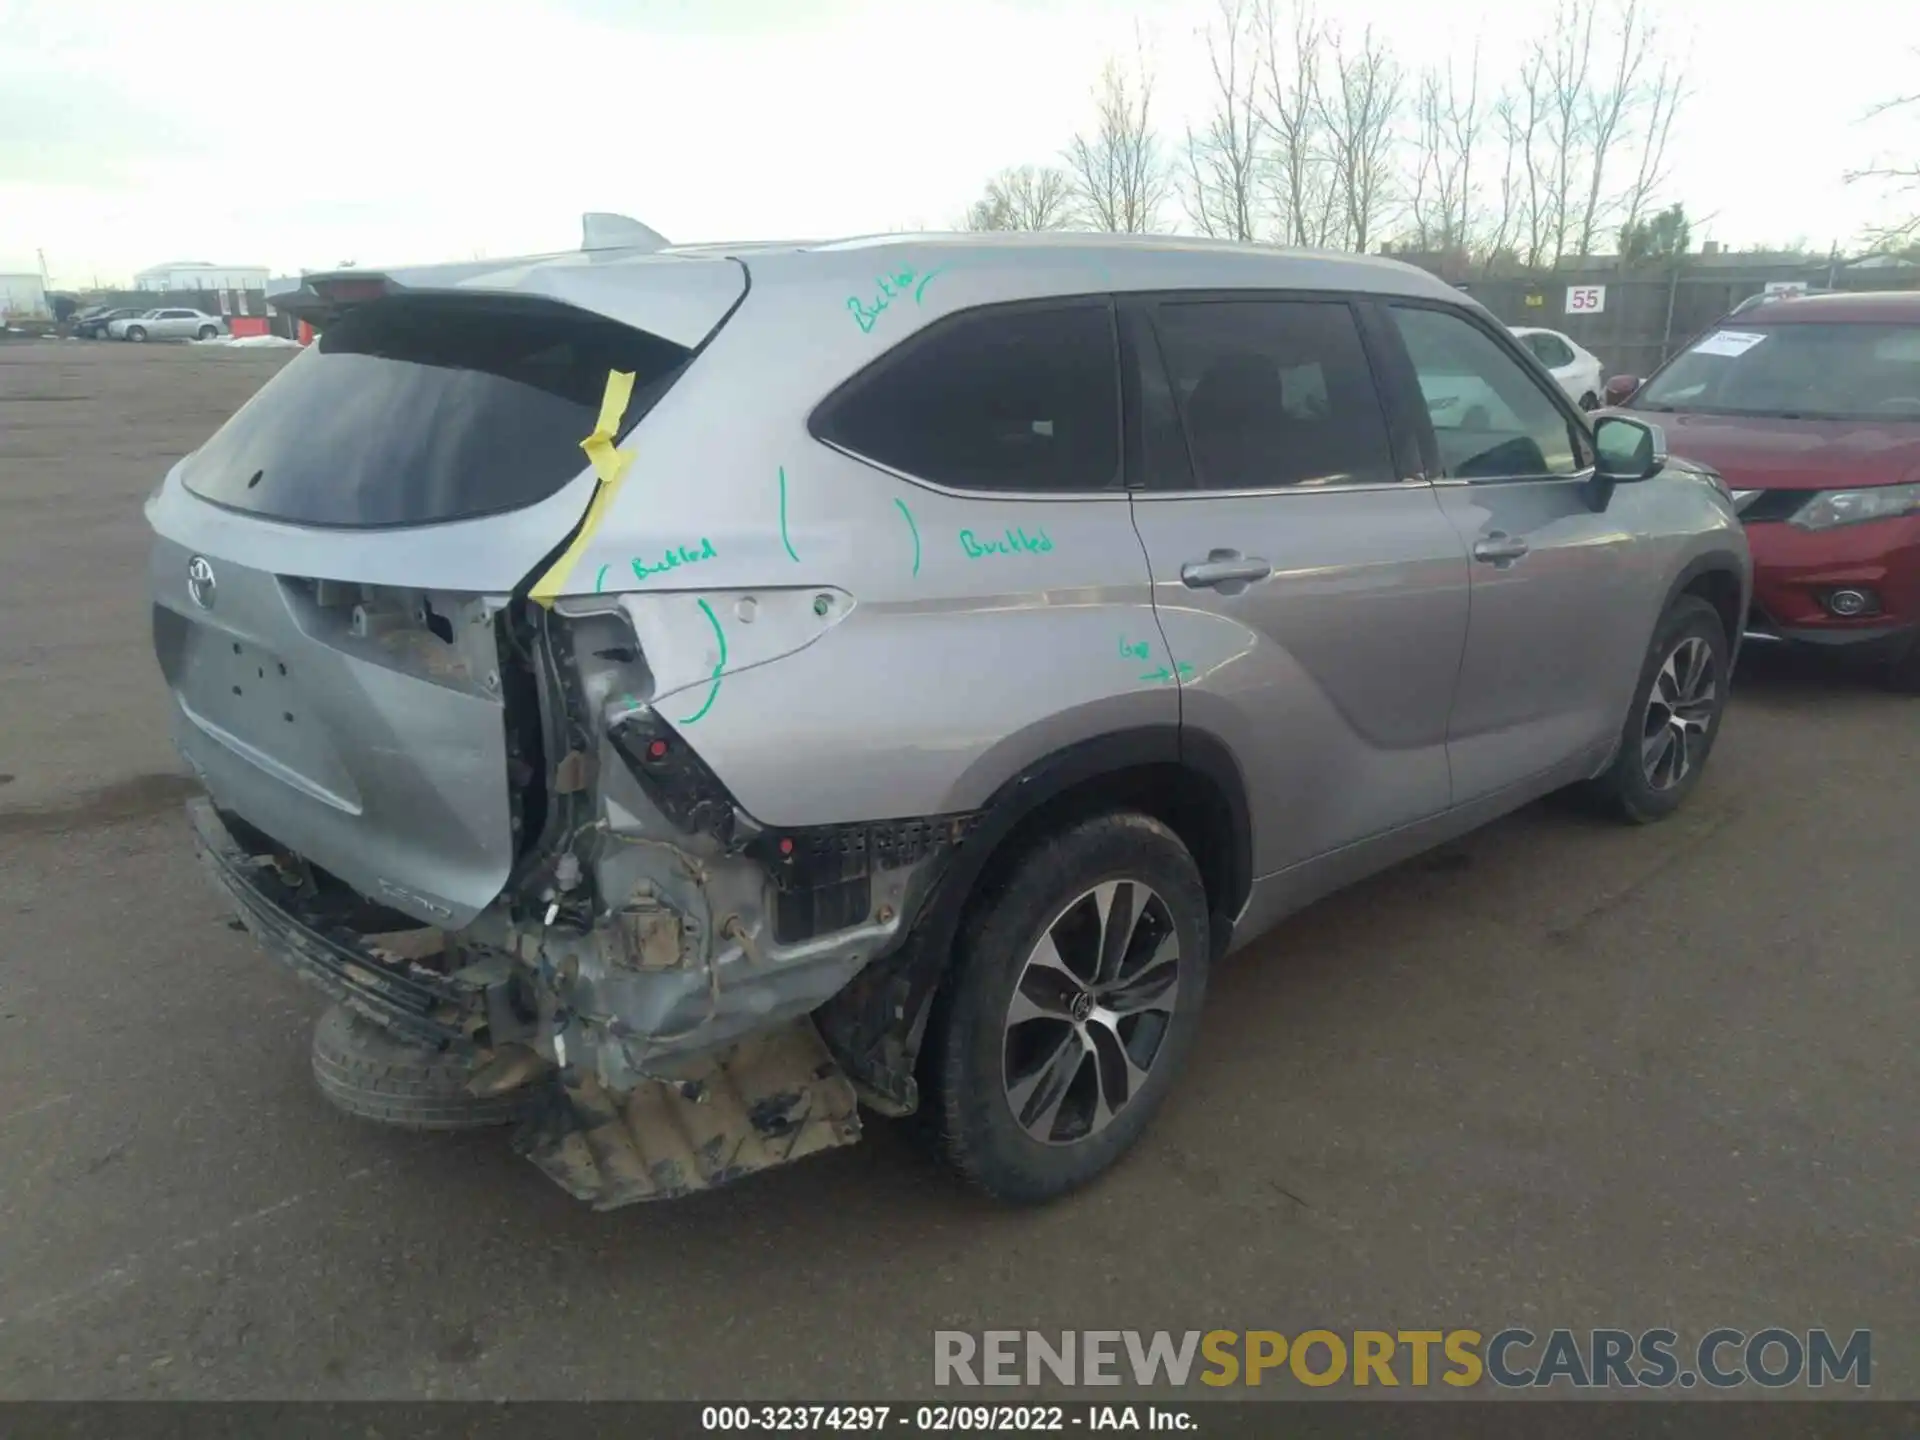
(1561,1074)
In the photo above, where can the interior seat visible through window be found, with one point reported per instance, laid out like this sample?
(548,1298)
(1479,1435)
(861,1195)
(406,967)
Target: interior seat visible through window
(1273,393)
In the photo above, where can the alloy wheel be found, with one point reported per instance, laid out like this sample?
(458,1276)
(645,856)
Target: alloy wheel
(1680,709)
(1090,1012)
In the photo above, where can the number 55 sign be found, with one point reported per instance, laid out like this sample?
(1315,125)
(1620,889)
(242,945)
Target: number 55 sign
(1586,299)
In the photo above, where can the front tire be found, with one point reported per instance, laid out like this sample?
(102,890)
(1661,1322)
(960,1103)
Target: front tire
(1674,719)
(1072,1005)
(1589,402)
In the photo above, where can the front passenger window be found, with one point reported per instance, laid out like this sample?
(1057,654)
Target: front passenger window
(1490,417)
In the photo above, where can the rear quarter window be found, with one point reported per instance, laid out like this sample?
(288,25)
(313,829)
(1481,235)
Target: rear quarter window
(417,409)
(1023,398)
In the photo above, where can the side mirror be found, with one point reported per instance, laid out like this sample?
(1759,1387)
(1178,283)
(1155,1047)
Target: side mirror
(1620,388)
(1629,450)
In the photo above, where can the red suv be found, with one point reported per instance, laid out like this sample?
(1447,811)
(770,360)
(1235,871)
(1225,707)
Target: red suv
(1810,410)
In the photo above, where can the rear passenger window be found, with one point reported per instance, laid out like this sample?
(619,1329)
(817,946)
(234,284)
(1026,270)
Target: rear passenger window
(1274,392)
(1491,419)
(1022,399)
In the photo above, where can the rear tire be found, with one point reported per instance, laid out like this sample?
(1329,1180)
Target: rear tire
(1674,705)
(1589,401)
(374,1075)
(1073,1002)
(136,334)
(207,332)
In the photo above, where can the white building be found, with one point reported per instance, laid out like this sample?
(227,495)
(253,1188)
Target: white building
(198,275)
(23,296)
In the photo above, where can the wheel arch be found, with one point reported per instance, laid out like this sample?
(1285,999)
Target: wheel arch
(1186,778)
(1718,578)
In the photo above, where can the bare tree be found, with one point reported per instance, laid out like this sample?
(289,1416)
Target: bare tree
(1499,242)
(1534,126)
(1118,176)
(1611,113)
(1572,125)
(1661,100)
(1024,197)
(1223,162)
(1358,110)
(1900,177)
(1299,169)
(1448,129)
(1567,58)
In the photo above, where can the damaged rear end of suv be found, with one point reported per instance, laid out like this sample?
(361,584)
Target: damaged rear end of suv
(437,784)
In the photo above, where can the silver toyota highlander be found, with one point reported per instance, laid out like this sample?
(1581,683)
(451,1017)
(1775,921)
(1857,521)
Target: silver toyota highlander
(669,697)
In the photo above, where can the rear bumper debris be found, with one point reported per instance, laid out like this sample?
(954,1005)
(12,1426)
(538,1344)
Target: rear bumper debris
(764,1100)
(409,999)
(772,1098)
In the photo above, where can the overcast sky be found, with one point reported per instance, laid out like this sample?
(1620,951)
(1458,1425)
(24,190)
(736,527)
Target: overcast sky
(295,133)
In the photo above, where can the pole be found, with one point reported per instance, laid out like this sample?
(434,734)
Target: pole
(1673,286)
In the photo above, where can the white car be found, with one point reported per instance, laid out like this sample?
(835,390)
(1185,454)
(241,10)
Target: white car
(1577,370)
(173,323)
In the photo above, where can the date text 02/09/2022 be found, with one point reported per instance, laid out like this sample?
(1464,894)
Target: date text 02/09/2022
(943,1419)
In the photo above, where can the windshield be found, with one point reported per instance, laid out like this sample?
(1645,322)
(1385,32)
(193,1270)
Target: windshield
(1833,372)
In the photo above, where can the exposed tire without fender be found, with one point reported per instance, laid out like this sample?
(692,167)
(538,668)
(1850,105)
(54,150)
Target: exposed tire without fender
(1072,1003)
(1674,718)
(374,1075)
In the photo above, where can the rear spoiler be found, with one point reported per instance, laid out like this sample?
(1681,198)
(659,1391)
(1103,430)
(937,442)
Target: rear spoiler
(322,295)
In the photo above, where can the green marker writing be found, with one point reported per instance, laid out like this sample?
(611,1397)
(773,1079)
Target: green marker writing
(1017,542)
(674,559)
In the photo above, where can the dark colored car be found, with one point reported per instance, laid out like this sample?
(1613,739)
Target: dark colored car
(1810,409)
(92,324)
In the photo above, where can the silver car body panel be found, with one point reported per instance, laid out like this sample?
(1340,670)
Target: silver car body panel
(1339,726)
(382,756)
(837,646)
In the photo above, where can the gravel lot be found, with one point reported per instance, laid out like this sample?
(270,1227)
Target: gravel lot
(1560,1074)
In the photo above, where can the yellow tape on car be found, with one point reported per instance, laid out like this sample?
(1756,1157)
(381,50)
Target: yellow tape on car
(610,465)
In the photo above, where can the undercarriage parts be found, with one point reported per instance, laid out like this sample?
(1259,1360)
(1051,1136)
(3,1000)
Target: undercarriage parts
(775,1097)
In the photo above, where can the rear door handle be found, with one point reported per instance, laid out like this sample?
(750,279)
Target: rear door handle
(1225,570)
(1498,548)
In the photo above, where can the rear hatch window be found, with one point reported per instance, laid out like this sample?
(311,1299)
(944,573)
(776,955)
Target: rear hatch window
(415,409)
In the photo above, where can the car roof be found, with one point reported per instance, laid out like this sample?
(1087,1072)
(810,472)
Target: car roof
(1538,330)
(1864,308)
(674,290)
(1069,261)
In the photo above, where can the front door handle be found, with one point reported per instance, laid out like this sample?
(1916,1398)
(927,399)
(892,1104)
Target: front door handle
(1499,548)
(1227,571)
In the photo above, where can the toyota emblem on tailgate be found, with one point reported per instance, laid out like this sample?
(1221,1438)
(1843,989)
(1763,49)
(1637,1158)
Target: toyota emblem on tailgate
(200,581)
